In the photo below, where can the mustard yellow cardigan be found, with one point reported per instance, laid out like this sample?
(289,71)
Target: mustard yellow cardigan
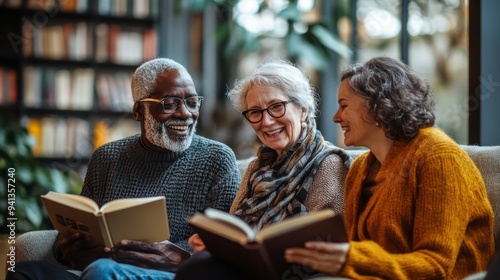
(429,217)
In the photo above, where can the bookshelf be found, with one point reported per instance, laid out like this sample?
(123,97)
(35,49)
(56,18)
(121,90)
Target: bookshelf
(65,70)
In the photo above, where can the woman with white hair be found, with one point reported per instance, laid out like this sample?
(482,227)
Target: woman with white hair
(296,171)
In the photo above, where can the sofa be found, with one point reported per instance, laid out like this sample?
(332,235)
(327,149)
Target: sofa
(37,245)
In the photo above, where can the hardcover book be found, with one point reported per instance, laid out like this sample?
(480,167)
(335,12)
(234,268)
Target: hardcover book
(262,252)
(142,219)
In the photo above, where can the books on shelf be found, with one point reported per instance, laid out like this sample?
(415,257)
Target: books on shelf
(11,3)
(262,252)
(114,92)
(62,89)
(130,45)
(82,145)
(82,89)
(8,86)
(73,41)
(59,88)
(131,8)
(60,137)
(142,219)
(79,6)
(53,55)
(34,127)
(150,44)
(65,89)
(64,41)
(73,137)
(101,41)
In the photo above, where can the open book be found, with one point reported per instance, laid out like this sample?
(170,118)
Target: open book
(131,218)
(262,252)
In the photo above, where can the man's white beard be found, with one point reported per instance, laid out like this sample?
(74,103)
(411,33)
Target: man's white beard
(156,133)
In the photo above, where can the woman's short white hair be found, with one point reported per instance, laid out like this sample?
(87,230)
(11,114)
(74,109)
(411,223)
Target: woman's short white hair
(144,78)
(281,74)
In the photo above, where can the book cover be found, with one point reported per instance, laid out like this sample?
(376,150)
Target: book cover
(131,218)
(262,252)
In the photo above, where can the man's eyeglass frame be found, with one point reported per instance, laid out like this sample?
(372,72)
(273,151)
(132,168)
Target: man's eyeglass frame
(181,102)
(284,103)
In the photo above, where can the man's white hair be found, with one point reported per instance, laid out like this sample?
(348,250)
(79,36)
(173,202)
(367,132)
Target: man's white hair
(144,78)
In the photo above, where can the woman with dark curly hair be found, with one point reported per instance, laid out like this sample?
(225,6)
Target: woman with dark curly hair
(415,204)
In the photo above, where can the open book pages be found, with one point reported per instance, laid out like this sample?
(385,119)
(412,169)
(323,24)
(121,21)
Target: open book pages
(294,224)
(73,200)
(226,236)
(129,218)
(88,205)
(216,214)
(233,228)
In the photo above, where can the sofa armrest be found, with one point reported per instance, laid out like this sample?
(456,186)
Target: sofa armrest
(36,245)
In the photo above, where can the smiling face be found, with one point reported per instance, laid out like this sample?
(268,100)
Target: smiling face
(278,134)
(358,125)
(169,131)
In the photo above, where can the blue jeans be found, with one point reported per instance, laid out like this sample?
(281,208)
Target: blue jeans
(109,269)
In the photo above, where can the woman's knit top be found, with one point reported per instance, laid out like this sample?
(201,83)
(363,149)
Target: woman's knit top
(428,218)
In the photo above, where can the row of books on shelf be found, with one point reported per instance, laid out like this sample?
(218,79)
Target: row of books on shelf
(131,8)
(114,92)
(65,89)
(74,137)
(66,41)
(79,6)
(116,44)
(8,87)
(125,45)
(59,88)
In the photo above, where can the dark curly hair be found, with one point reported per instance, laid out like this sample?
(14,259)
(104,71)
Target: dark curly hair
(398,98)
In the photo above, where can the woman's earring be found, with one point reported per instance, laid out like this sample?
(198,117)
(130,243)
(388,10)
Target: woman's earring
(304,124)
(376,124)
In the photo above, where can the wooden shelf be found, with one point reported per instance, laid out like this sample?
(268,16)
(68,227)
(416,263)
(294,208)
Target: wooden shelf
(50,69)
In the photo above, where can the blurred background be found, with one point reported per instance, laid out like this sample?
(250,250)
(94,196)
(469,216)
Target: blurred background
(65,69)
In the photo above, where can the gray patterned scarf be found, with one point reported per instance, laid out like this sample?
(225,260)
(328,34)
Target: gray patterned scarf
(279,184)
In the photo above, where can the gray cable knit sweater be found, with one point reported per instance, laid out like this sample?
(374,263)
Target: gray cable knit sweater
(204,175)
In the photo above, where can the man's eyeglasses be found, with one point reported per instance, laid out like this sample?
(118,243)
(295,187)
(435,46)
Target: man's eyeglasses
(171,105)
(275,110)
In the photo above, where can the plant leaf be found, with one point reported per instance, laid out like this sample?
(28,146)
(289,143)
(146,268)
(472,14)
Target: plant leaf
(298,46)
(330,41)
(290,13)
(33,212)
(58,182)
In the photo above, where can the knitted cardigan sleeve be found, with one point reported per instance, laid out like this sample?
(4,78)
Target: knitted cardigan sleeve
(435,220)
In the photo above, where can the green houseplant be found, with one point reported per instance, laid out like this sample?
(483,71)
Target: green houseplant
(23,179)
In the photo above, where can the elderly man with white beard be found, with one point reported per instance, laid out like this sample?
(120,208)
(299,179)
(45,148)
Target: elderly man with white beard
(166,159)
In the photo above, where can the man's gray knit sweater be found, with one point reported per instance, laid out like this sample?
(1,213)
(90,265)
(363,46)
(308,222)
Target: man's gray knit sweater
(204,175)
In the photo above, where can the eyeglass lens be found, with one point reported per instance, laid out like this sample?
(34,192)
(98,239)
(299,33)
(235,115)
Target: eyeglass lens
(276,110)
(172,104)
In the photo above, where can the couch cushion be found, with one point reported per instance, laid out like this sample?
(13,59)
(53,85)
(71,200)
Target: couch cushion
(487,160)
(36,245)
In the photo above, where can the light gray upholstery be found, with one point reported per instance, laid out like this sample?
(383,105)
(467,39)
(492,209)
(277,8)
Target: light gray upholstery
(487,160)
(38,244)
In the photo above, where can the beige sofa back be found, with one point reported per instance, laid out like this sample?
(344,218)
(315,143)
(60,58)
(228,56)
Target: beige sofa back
(487,160)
